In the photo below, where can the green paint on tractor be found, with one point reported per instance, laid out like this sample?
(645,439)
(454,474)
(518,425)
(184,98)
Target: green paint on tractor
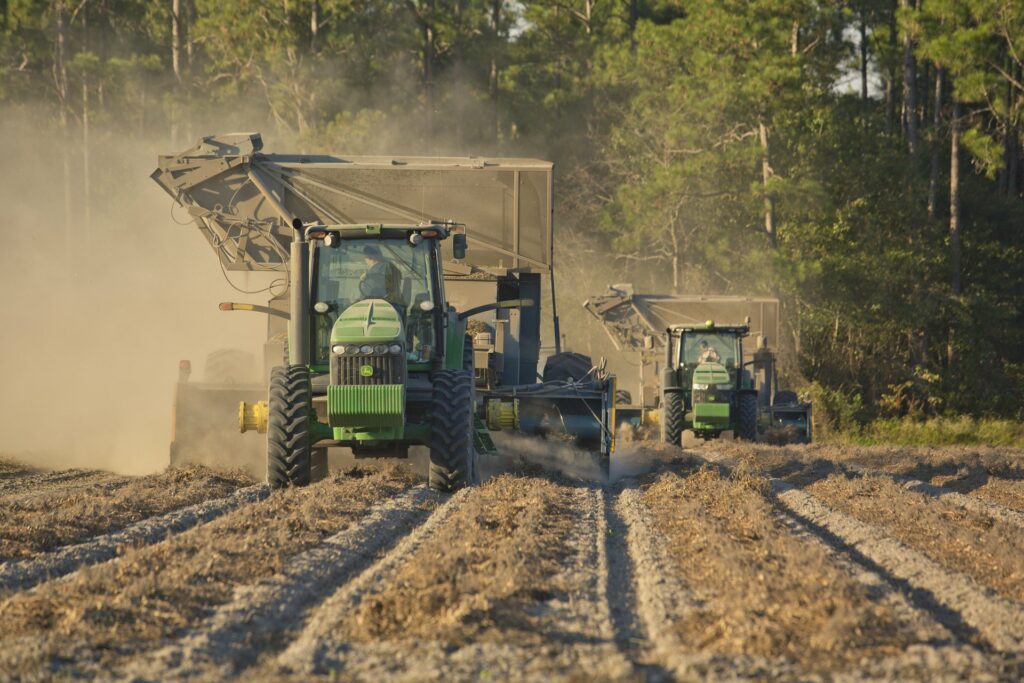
(371,320)
(711,374)
(711,415)
(368,407)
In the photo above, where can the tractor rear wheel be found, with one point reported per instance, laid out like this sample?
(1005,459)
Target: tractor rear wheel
(289,454)
(746,417)
(672,417)
(452,452)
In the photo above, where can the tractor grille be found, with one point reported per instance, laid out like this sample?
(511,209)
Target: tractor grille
(385,369)
(711,395)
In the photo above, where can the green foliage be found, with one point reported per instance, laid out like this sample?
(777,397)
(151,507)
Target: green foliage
(939,431)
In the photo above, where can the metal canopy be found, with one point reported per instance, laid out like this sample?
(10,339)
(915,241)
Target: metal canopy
(243,200)
(629,317)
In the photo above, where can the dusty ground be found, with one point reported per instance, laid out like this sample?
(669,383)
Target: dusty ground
(730,561)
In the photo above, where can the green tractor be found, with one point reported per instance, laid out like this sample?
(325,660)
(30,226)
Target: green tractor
(705,386)
(377,359)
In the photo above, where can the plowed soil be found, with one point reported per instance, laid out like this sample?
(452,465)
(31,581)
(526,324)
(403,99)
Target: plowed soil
(51,514)
(730,561)
(737,557)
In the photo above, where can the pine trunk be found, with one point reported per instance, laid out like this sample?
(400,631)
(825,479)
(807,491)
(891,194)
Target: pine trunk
(909,89)
(954,200)
(933,177)
(60,78)
(766,174)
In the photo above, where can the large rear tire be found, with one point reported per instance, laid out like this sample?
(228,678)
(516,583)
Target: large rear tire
(746,417)
(672,417)
(453,457)
(289,454)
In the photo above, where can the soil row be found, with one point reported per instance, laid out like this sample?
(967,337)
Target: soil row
(63,516)
(103,614)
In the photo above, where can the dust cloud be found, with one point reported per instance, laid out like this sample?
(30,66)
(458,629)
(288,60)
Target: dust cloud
(95,319)
(631,459)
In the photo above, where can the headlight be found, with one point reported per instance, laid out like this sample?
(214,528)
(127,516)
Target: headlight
(380,348)
(724,387)
(352,350)
(395,348)
(338,348)
(700,387)
(365,349)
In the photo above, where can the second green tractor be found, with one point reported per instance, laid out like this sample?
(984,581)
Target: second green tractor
(706,387)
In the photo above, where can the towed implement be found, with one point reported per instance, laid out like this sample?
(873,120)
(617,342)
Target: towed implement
(694,375)
(391,337)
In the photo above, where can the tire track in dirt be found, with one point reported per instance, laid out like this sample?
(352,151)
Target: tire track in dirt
(956,600)
(506,580)
(23,574)
(43,523)
(103,483)
(11,469)
(660,598)
(249,626)
(42,482)
(962,534)
(961,541)
(105,616)
(727,546)
(310,652)
(981,506)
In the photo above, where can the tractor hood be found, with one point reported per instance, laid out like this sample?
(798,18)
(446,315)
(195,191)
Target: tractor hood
(370,320)
(710,374)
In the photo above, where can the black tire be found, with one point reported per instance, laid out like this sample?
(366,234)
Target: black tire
(746,417)
(289,455)
(452,452)
(567,366)
(673,415)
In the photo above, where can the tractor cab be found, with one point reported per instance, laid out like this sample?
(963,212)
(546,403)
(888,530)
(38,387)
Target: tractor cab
(705,387)
(711,346)
(377,286)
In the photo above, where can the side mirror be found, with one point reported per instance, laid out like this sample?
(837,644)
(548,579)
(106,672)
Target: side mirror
(459,245)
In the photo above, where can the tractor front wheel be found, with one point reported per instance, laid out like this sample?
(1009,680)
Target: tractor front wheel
(672,417)
(289,454)
(452,452)
(746,417)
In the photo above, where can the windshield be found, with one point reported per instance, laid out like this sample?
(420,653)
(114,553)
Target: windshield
(710,347)
(393,270)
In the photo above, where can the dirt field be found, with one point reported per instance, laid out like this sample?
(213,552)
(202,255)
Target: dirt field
(728,561)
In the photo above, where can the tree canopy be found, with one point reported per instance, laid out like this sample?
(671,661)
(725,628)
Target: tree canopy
(860,159)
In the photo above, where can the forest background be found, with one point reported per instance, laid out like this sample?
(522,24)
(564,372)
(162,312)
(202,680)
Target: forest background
(859,160)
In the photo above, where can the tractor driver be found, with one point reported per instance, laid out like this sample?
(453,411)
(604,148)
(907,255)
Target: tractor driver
(381,279)
(708,353)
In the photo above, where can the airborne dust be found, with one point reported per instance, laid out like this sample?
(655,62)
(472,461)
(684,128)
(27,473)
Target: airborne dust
(96,318)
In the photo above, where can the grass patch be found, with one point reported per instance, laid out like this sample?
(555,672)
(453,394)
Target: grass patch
(936,431)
